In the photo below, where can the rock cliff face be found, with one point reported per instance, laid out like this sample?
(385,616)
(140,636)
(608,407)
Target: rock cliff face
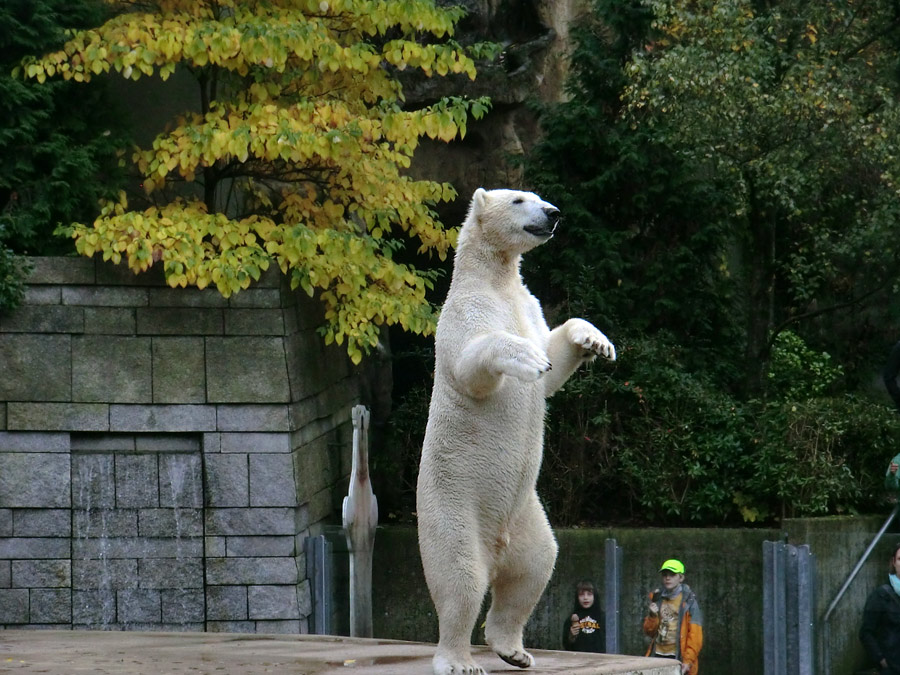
(532,67)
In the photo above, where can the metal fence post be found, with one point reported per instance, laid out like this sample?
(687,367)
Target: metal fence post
(612,590)
(801,613)
(318,570)
(774,619)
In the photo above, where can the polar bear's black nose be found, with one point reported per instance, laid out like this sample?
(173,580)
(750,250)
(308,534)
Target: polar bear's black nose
(552,215)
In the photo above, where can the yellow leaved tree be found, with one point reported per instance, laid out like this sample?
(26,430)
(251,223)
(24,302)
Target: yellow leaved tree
(297,153)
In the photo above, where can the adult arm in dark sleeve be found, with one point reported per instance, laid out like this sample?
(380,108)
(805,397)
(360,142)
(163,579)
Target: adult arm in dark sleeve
(870,619)
(891,370)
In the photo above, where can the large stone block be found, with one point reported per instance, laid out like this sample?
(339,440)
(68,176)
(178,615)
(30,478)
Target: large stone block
(246,370)
(138,606)
(43,295)
(180,522)
(287,627)
(35,367)
(57,416)
(102,296)
(31,441)
(136,547)
(93,481)
(6,522)
(256,443)
(41,574)
(226,603)
(109,574)
(256,297)
(40,522)
(158,418)
(179,371)
(110,274)
(61,270)
(96,522)
(171,573)
(37,480)
(182,606)
(180,480)
(110,320)
(269,547)
(51,606)
(273,602)
(250,418)
(94,608)
(262,571)
(137,481)
(180,321)
(43,319)
(272,481)
(254,322)
(304,598)
(186,297)
(227,480)
(5,573)
(25,548)
(111,369)
(258,521)
(14,605)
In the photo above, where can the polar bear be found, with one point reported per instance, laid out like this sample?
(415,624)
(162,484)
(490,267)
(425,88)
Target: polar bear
(480,522)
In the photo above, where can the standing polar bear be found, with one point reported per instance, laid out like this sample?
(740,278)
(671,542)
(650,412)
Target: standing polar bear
(480,522)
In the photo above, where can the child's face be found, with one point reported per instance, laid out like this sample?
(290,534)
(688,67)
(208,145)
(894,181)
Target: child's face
(670,580)
(586,597)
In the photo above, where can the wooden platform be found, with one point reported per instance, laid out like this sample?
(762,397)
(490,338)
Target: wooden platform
(146,653)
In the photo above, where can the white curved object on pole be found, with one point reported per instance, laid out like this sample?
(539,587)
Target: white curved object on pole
(360,518)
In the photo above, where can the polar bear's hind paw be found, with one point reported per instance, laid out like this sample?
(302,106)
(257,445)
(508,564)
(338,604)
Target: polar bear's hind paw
(444,666)
(519,659)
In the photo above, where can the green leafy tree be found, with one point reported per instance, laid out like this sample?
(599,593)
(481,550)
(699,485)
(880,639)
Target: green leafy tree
(297,154)
(793,107)
(59,142)
(703,421)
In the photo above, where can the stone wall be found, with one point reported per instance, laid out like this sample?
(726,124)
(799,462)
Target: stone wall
(165,452)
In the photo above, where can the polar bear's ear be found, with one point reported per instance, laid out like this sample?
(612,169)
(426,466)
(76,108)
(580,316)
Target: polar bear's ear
(479,200)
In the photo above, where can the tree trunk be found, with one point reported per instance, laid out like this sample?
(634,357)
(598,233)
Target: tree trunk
(760,279)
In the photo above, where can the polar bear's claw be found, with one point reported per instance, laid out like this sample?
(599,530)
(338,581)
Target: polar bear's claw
(519,659)
(594,343)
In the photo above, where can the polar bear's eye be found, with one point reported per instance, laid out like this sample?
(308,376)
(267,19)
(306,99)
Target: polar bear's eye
(518,200)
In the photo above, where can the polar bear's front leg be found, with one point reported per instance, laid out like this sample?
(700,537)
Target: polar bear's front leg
(486,359)
(570,345)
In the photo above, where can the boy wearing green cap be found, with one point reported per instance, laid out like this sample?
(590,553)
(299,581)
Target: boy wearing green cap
(674,621)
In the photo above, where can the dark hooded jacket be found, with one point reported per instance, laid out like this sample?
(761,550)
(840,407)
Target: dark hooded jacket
(880,630)
(592,636)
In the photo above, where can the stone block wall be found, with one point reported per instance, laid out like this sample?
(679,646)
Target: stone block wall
(164,452)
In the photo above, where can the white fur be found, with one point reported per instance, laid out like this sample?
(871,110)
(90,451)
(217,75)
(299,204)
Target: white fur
(480,522)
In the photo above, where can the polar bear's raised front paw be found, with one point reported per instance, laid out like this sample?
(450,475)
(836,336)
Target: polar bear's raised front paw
(518,658)
(528,363)
(592,341)
(444,665)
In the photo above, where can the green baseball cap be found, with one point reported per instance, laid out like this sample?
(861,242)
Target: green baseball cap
(672,565)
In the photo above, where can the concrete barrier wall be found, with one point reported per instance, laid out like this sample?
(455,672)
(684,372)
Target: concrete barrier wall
(165,452)
(724,567)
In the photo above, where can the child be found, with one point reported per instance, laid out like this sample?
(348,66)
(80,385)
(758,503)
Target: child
(585,629)
(674,620)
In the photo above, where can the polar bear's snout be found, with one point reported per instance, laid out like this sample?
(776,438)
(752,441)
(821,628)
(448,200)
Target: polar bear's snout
(548,227)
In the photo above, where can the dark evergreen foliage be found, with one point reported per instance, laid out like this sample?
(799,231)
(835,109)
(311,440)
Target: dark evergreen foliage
(58,140)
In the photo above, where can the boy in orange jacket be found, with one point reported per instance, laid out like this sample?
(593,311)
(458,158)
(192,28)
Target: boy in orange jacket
(674,620)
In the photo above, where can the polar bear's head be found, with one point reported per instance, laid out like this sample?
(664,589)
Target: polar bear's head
(509,220)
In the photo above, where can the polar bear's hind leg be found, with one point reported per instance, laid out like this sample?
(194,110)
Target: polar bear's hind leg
(518,582)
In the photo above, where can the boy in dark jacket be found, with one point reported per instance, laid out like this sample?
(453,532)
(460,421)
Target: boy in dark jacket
(585,629)
(880,630)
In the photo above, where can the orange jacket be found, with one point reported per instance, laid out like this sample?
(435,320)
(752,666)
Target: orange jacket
(690,628)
